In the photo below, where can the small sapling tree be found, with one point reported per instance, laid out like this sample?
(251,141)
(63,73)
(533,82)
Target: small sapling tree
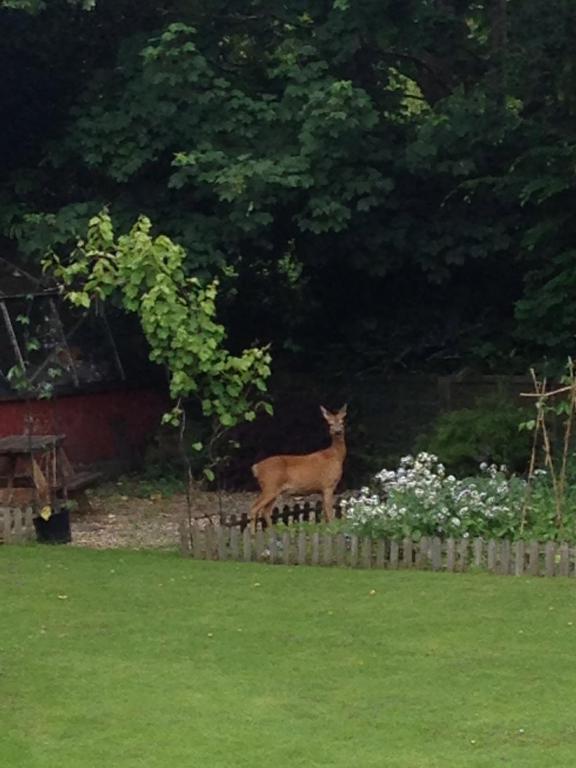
(145,275)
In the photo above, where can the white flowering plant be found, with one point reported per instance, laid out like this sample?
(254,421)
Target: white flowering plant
(419,499)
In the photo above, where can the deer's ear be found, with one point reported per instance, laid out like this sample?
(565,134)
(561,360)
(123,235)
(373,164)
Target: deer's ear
(325,413)
(344,410)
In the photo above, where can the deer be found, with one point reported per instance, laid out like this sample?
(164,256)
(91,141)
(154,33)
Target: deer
(317,472)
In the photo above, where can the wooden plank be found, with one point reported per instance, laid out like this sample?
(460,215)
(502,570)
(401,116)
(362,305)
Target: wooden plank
(380,553)
(504,557)
(286,548)
(272,544)
(564,564)
(519,557)
(17,444)
(436,554)
(407,552)
(534,558)
(6,520)
(258,544)
(478,552)
(340,549)
(394,553)
(463,548)
(421,553)
(29,523)
(197,543)
(366,552)
(302,547)
(450,554)
(209,540)
(491,556)
(247,545)
(315,549)
(222,539)
(79,481)
(354,551)
(234,543)
(549,558)
(327,549)
(18,524)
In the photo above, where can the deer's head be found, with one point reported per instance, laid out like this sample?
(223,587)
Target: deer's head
(335,420)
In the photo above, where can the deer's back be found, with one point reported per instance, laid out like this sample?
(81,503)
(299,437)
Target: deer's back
(299,474)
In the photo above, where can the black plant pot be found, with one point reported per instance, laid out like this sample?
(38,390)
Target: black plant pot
(55,530)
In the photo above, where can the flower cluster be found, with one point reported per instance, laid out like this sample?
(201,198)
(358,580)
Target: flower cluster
(420,499)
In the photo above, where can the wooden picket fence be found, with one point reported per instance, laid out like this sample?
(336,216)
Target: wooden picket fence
(16,525)
(293,546)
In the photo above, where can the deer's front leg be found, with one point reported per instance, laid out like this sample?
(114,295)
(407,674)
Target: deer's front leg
(328,504)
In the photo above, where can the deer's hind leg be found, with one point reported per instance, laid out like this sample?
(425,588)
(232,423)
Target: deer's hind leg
(262,507)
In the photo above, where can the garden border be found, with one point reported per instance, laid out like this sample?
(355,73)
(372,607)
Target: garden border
(292,545)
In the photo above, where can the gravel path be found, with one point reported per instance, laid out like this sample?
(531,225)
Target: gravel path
(142,523)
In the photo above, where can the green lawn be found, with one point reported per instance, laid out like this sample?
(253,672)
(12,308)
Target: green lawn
(125,660)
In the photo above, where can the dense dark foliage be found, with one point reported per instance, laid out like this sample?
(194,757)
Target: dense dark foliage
(380,183)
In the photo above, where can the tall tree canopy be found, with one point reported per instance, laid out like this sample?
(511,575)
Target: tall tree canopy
(388,181)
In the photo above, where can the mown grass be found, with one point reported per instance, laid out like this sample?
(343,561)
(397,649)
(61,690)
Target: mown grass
(134,659)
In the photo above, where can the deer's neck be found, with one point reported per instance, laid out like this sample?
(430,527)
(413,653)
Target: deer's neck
(339,446)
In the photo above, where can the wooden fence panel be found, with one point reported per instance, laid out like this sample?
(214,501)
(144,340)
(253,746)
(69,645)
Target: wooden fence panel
(450,554)
(491,556)
(315,549)
(6,529)
(462,550)
(286,548)
(380,553)
(195,540)
(407,549)
(16,525)
(504,557)
(340,549)
(183,535)
(327,540)
(272,548)
(246,545)
(302,547)
(550,558)
(478,552)
(394,554)
(519,557)
(291,546)
(354,551)
(420,555)
(564,559)
(436,554)
(223,542)
(234,544)
(534,559)
(366,553)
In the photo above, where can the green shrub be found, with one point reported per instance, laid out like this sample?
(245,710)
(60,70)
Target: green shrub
(489,432)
